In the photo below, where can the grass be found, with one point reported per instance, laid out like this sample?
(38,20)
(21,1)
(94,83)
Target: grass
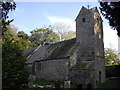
(43,83)
(108,84)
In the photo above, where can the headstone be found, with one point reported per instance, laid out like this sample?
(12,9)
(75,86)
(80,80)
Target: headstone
(79,87)
(89,86)
(57,85)
(67,84)
(31,79)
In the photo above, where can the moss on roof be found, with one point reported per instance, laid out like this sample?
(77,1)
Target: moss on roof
(63,50)
(53,51)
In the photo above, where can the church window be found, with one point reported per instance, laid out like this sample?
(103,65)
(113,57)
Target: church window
(100,76)
(99,35)
(97,19)
(83,19)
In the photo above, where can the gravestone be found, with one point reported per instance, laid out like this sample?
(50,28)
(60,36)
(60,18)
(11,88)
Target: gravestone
(67,84)
(57,85)
(31,79)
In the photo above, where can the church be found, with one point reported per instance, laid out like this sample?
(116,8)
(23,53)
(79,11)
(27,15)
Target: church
(80,60)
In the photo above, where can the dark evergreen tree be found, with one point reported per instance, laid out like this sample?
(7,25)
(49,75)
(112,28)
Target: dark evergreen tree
(111,11)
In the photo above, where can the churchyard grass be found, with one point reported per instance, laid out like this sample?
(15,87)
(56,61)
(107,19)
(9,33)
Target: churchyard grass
(108,84)
(43,83)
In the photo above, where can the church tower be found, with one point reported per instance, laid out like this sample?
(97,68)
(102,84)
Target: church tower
(89,35)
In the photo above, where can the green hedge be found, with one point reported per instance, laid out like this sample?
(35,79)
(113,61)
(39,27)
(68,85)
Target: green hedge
(112,71)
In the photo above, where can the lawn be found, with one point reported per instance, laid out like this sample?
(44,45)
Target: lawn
(110,83)
(115,83)
(44,83)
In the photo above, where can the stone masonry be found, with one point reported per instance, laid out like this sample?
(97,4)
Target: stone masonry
(79,60)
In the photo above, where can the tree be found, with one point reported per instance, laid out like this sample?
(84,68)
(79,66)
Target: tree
(69,35)
(43,36)
(65,31)
(9,34)
(111,57)
(5,8)
(22,35)
(23,41)
(111,11)
(13,72)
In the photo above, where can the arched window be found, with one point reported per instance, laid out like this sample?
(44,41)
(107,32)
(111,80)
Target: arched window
(83,19)
(100,76)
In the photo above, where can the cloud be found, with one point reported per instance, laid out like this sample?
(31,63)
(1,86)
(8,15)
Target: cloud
(110,38)
(65,21)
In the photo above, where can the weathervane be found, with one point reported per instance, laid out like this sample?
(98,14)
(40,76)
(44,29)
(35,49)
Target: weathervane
(88,6)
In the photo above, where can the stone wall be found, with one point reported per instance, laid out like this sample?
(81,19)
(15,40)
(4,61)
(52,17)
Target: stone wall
(82,76)
(29,67)
(99,64)
(89,34)
(99,70)
(85,34)
(52,70)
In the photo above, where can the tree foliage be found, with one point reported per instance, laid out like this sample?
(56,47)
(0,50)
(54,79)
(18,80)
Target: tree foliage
(23,35)
(111,57)
(42,37)
(6,7)
(13,72)
(65,31)
(69,35)
(23,41)
(111,11)
(9,34)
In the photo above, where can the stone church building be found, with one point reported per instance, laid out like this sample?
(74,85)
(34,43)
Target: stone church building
(80,60)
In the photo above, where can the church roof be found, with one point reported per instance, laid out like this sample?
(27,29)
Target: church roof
(27,52)
(57,50)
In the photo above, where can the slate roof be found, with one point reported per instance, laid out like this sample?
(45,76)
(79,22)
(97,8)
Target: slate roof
(27,52)
(53,51)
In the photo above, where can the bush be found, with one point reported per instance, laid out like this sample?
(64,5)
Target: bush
(112,71)
(13,72)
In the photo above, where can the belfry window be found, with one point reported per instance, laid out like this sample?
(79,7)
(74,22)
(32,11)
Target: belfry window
(97,19)
(83,19)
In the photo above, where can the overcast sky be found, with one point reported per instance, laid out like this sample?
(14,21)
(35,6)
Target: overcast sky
(31,15)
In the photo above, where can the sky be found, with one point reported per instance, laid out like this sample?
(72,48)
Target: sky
(31,15)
